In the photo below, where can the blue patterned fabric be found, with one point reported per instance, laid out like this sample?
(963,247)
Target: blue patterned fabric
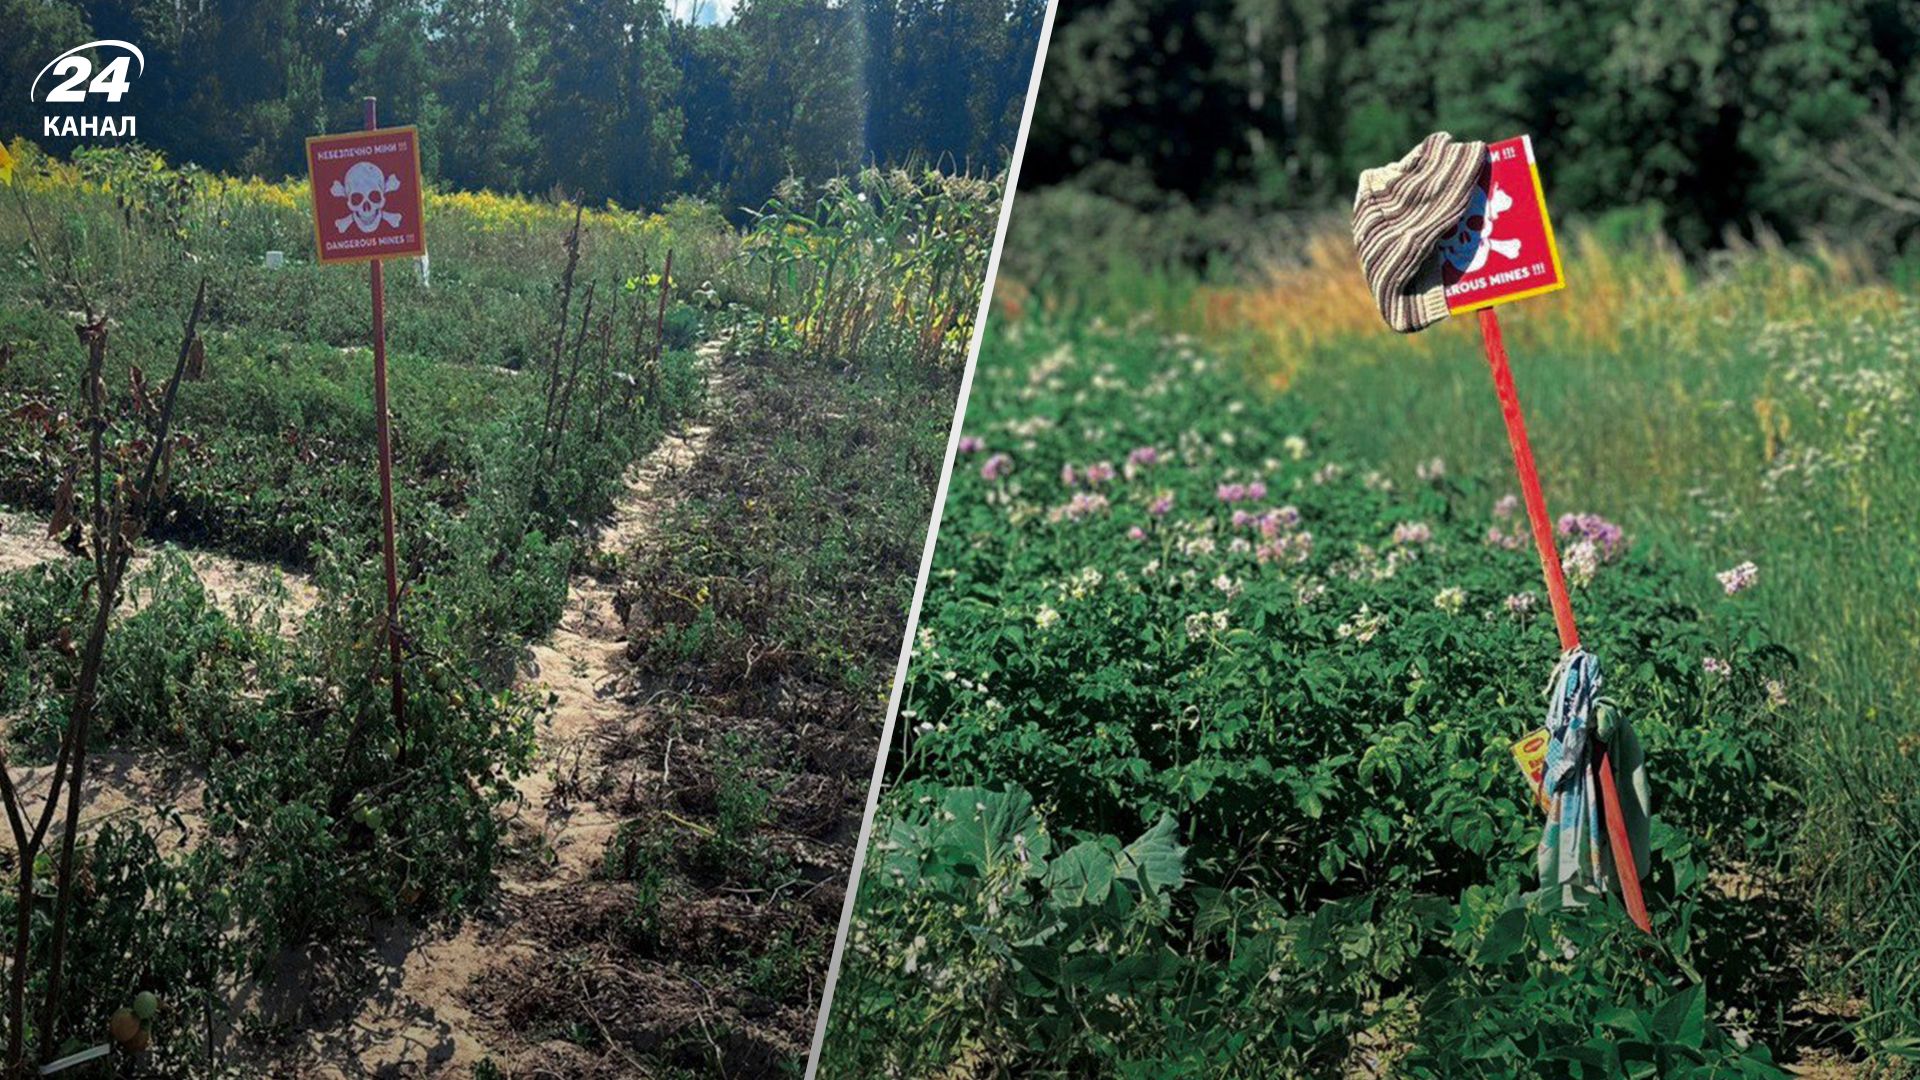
(1574,855)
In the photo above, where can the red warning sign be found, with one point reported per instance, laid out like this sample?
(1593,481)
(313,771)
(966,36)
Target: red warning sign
(1503,248)
(366,195)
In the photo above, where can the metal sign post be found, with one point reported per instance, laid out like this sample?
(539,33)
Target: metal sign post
(1503,250)
(368,206)
(383,427)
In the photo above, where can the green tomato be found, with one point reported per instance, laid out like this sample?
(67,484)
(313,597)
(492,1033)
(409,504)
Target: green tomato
(123,1025)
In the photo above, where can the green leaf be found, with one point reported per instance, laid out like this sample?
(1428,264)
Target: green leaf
(1083,875)
(1156,861)
(1621,1018)
(1682,1021)
(1505,937)
(985,828)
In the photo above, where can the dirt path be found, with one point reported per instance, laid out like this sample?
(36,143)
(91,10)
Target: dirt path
(411,1018)
(416,1021)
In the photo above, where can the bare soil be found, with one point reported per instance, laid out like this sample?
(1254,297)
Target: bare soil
(164,794)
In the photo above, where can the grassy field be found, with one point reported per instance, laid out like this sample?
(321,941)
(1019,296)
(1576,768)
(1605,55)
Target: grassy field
(1760,409)
(310,889)
(1204,762)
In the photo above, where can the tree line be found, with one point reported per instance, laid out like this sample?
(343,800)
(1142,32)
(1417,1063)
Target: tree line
(610,99)
(1713,117)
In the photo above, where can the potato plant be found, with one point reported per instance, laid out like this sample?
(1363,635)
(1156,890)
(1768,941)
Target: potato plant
(1171,626)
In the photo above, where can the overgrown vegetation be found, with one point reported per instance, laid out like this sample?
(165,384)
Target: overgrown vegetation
(1204,765)
(764,637)
(307,812)
(263,805)
(1759,408)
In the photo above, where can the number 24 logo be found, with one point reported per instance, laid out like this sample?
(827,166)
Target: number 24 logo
(73,69)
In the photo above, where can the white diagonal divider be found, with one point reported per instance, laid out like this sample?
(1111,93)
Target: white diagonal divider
(926,551)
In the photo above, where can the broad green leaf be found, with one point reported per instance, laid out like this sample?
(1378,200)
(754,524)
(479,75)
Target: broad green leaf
(1082,875)
(1683,1019)
(1156,860)
(1505,937)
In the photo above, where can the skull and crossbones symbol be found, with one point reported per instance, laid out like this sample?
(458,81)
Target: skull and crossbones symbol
(1465,249)
(366,189)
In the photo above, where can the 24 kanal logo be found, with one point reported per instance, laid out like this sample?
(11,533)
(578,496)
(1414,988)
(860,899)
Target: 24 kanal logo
(72,79)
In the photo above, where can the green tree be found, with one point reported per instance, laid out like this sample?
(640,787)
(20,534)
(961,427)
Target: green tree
(1713,116)
(651,123)
(393,66)
(36,33)
(611,99)
(801,106)
(482,77)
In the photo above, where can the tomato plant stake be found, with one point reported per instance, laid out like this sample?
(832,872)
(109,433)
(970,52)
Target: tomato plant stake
(1557,592)
(660,323)
(383,429)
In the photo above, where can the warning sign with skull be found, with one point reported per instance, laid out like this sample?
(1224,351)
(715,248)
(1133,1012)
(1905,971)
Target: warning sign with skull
(366,194)
(1503,248)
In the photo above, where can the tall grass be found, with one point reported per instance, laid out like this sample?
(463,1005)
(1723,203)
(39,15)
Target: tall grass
(1758,406)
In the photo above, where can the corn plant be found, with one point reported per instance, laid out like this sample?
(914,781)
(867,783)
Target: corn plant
(883,252)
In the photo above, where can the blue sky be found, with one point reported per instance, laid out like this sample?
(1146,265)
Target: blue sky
(709,11)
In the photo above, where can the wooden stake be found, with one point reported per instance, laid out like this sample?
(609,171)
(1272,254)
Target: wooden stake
(660,325)
(1623,863)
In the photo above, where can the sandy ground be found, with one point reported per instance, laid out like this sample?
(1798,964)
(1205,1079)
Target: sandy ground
(230,581)
(413,1021)
(123,783)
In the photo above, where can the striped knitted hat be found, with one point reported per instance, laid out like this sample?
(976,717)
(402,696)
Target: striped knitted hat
(1400,213)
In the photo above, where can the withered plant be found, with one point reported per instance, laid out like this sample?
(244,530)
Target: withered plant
(125,457)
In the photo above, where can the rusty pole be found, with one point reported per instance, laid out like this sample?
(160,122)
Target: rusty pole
(384,433)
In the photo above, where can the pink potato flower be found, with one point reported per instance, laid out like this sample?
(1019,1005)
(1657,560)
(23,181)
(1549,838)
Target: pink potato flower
(1739,579)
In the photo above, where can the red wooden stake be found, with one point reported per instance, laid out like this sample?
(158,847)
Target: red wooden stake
(1562,605)
(383,429)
